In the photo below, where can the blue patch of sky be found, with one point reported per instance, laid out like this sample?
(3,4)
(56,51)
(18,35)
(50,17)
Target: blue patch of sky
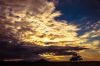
(79,12)
(75,10)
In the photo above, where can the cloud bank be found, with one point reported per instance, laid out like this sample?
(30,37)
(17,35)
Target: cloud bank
(34,24)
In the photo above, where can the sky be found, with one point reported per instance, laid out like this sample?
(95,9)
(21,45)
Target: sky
(82,12)
(53,30)
(76,10)
(79,11)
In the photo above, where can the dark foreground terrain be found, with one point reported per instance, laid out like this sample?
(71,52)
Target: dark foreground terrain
(45,63)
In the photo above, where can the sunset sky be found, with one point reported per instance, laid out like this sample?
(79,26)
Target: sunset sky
(86,14)
(50,29)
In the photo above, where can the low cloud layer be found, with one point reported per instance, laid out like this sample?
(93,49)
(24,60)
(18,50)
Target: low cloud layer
(30,52)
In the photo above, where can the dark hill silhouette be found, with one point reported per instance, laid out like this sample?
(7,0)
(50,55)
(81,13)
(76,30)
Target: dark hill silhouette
(42,60)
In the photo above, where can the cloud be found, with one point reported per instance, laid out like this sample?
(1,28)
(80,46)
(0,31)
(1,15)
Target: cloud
(34,24)
(13,52)
(38,28)
(30,52)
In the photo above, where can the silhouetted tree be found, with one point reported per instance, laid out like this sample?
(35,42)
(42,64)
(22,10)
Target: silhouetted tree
(76,58)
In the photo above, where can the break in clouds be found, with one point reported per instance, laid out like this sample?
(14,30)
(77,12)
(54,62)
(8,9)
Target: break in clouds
(30,25)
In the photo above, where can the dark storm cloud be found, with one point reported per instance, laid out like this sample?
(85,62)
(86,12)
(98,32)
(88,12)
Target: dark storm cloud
(65,53)
(60,49)
(12,51)
(29,52)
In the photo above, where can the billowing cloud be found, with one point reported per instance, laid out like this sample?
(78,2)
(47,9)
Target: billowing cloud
(38,28)
(34,24)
